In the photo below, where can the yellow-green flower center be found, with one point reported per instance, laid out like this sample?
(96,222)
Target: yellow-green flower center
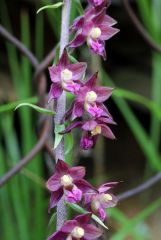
(106,197)
(66,75)
(95,33)
(66,180)
(91,97)
(97,130)
(78,232)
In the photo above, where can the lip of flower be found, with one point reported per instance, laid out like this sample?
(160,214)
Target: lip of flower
(95,205)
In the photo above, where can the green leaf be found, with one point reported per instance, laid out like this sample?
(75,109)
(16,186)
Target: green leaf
(72,59)
(38,109)
(58,137)
(52,224)
(69,142)
(82,210)
(53,6)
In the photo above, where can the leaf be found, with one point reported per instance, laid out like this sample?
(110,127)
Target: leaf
(53,6)
(82,210)
(58,137)
(37,108)
(72,59)
(52,224)
(69,142)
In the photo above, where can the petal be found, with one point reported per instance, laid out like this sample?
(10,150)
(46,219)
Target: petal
(77,172)
(54,72)
(106,132)
(55,91)
(91,83)
(53,184)
(83,218)
(83,185)
(68,226)
(77,41)
(91,232)
(61,167)
(77,110)
(109,21)
(55,198)
(103,93)
(77,24)
(64,60)
(98,19)
(108,120)
(107,186)
(71,126)
(89,125)
(107,32)
(57,236)
(78,70)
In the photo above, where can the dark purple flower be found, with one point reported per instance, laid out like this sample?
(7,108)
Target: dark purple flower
(65,76)
(67,181)
(98,201)
(89,99)
(77,229)
(91,130)
(94,28)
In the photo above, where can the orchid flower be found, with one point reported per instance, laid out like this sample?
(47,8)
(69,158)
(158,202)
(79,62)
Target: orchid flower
(65,76)
(91,130)
(78,229)
(93,29)
(98,201)
(89,99)
(67,181)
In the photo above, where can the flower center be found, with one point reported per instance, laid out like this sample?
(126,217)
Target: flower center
(106,197)
(91,97)
(66,180)
(66,75)
(78,232)
(95,205)
(97,130)
(95,33)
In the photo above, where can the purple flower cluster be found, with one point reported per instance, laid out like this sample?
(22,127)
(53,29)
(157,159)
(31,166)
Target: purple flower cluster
(68,182)
(94,28)
(88,113)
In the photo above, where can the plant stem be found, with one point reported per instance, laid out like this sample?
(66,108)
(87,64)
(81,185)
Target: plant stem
(61,104)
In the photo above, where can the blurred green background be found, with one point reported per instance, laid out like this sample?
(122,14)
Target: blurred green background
(135,72)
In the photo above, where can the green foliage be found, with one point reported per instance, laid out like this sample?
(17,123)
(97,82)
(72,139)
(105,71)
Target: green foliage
(37,108)
(53,6)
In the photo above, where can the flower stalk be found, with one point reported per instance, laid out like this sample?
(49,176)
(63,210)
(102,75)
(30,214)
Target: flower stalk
(60,103)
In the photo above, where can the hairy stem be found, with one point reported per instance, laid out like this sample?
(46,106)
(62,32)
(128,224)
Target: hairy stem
(61,104)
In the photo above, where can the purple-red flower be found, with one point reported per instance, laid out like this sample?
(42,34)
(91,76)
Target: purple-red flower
(91,130)
(67,181)
(65,76)
(98,201)
(77,229)
(89,99)
(94,28)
